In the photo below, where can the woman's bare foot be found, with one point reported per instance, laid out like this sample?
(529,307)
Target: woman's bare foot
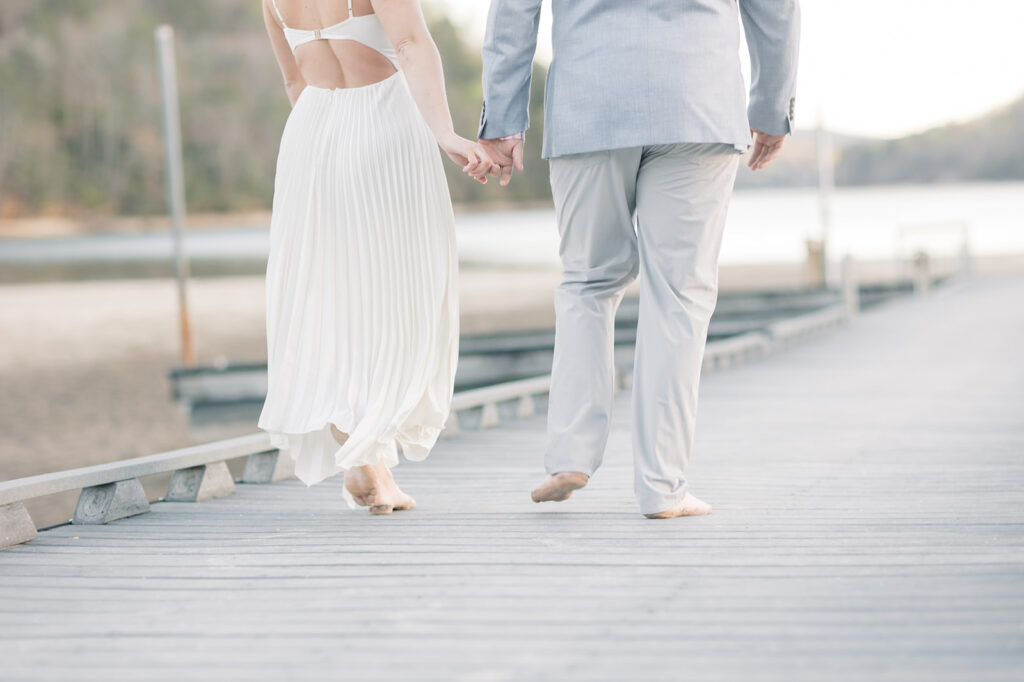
(401,500)
(690,505)
(559,487)
(374,487)
(339,435)
(361,483)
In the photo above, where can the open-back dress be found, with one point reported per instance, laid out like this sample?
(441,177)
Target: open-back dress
(361,285)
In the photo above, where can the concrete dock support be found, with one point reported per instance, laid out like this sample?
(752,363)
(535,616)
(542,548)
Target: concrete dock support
(490,416)
(100,504)
(16,525)
(482,417)
(199,483)
(515,408)
(526,407)
(451,427)
(268,467)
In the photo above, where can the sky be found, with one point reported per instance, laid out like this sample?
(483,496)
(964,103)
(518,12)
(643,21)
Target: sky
(883,68)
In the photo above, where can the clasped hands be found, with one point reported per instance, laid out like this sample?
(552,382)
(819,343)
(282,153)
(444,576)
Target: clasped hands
(500,157)
(495,158)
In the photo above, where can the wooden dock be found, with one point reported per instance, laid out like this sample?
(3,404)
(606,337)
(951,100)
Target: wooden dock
(868,485)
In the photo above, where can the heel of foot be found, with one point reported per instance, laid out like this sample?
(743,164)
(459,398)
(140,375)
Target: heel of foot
(339,435)
(363,497)
(559,487)
(689,507)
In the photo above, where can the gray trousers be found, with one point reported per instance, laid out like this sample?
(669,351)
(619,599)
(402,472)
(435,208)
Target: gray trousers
(679,194)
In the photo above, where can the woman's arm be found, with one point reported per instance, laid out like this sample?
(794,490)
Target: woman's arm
(418,56)
(293,80)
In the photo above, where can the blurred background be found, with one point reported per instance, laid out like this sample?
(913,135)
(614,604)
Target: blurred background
(909,145)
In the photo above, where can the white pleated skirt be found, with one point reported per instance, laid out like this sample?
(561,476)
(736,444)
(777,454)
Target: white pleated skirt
(361,286)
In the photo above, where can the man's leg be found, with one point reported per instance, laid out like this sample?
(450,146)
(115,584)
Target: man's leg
(683,193)
(594,197)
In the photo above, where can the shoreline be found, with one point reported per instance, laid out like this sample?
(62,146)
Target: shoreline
(56,226)
(59,226)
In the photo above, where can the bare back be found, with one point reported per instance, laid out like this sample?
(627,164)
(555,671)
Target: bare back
(333,63)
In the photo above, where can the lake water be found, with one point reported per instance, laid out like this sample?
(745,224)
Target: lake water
(770,225)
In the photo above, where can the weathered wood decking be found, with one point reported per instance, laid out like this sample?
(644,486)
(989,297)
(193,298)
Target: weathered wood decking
(868,486)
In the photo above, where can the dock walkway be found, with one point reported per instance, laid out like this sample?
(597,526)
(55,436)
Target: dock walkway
(868,486)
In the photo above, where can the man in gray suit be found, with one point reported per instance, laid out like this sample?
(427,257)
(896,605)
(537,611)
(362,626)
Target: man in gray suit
(645,118)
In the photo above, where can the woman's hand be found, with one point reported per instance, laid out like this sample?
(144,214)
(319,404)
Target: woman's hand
(421,62)
(471,157)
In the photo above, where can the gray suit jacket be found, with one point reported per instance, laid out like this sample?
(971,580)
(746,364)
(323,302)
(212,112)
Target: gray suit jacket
(628,73)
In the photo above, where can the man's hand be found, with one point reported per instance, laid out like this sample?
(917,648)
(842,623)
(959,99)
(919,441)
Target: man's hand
(766,148)
(471,156)
(506,153)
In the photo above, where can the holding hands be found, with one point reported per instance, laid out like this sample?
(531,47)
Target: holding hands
(502,156)
(471,156)
(507,153)
(498,157)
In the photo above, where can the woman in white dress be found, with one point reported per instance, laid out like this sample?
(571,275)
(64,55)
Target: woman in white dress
(361,290)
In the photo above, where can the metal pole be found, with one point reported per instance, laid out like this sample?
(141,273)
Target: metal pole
(826,184)
(175,181)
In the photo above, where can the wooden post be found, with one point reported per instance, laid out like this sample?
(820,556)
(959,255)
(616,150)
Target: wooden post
(815,276)
(826,186)
(175,181)
(850,288)
(965,251)
(922,273)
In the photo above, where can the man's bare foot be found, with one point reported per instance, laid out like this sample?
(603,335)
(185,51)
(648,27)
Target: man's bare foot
(559,487)
(691,505)
(374,487)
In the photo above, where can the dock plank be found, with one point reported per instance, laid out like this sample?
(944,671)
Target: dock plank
(868,485)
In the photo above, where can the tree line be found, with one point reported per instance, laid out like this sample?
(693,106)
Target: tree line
(80,128)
